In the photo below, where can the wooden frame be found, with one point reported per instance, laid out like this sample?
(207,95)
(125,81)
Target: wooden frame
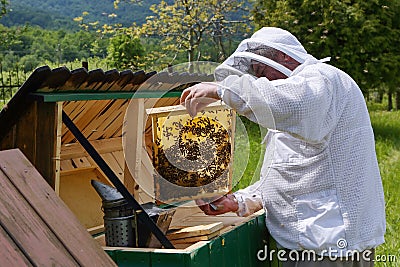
(213,177)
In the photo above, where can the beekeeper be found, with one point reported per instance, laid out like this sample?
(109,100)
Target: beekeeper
(320,184)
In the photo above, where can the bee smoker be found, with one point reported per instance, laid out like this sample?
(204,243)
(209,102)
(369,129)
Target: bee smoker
(120,223)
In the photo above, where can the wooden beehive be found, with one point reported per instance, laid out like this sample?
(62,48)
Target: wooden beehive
(96,102)
(192,155)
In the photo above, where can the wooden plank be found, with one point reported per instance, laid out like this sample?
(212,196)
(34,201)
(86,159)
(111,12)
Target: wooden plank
(146,181)
(107,119)
(57,156)
(77,171)
(27,228)
(111,77)
(84,121)
(57,78)
(52,210)
(66,165)
(113,128)
(179,109)
(113,164)
(133,133)
(96,230)
(75,150)
(194,239)
(146,188)
(8,141)
(124,77)
(74,108)
(134,137)
(119,157)
(10,254)
(78,108)
(197,230)
(163,222)
(78,76)
(76,188)
(81,162)
(77,114)
(130,183)
(94,79)
(16,107)
(89,122)
(136,79)
(25,136)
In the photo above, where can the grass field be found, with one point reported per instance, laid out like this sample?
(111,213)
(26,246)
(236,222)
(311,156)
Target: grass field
(387,135)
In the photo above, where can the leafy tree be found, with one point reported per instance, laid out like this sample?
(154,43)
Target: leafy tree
(361,36)
(34,46)
(184,24)
(125,51)
(3,4)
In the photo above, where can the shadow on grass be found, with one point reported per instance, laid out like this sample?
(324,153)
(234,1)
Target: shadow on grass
(387,131)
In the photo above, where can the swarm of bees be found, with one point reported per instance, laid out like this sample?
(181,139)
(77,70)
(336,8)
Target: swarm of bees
(192,156)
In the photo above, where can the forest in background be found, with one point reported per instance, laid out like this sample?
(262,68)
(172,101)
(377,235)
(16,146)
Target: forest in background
(360,37)
(59,14)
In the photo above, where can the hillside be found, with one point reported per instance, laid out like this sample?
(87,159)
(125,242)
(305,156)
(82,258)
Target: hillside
(55,14)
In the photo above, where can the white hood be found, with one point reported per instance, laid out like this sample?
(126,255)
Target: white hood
(277,38)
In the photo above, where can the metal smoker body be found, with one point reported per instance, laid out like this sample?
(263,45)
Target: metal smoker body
(120,223)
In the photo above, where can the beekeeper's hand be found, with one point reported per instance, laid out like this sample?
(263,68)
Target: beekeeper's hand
(197,97)
(227,203)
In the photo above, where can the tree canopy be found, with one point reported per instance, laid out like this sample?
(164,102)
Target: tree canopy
(3,4)
(361,36)
(184,24)
(125,52)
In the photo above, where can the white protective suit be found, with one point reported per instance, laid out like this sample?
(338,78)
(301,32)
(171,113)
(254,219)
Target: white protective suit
(320,183)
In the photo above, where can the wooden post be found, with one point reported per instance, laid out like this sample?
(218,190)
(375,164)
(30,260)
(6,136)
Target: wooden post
(85,65)
(57,155)
(135,150)
(37,134)
(48,141)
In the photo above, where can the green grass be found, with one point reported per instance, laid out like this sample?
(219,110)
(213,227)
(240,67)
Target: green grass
(387,135)
(248,153)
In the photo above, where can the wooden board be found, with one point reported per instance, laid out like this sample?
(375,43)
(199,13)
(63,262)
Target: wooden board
(20,222)
(75,189)
(40,224)
(198,230)
(75,150)
(194,239)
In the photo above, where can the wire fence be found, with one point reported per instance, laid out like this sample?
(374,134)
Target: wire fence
(10,81)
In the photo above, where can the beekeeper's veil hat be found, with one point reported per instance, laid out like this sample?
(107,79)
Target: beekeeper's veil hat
(250,50)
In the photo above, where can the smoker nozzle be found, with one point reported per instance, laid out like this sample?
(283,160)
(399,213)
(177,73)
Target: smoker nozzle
(106,192)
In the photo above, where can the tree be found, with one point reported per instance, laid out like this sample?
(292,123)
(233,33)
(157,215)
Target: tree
(361,36)
(183,25)
(4,4)
(125,51)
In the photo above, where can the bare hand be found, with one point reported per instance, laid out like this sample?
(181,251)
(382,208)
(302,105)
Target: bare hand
(227,203)
(197,97)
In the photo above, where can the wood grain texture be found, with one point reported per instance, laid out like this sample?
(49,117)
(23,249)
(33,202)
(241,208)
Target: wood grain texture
(10,253)
(28,229)
(197,230)
(194,239)
(45,215)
